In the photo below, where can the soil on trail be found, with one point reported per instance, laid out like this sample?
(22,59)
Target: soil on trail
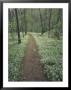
(32,69)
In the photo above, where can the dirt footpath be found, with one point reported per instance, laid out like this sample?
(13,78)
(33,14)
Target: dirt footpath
(32,70)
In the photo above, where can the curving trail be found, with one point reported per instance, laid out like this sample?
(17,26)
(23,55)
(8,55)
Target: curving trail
(32,70)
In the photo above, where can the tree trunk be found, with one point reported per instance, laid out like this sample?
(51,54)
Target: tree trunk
(45,19)
(50,19)
(41,22)
(25,22)
(49,23)
(18,31)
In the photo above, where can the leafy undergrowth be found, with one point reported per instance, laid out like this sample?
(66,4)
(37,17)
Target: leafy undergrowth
(16,53)
(50,51)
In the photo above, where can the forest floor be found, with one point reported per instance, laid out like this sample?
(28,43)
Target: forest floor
(37,58)
(31,67)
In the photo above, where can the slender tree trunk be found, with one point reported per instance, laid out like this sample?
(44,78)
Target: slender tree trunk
(10,19)
(59,19)
(45,19)
(31,21)
(49,22)
(41,22)
(22,30)
(50,19)
(25,22)
(11,26)
(18,31)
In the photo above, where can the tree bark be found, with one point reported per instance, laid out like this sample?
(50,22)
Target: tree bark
(18,31)
(25,22)
(41,22)
(50,19)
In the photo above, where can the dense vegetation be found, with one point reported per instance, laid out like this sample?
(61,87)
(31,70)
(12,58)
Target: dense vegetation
(16,53)
(45,25)
(50,50)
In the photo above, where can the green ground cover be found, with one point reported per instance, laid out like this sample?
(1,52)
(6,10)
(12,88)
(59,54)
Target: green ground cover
(50,50)
(16,53)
